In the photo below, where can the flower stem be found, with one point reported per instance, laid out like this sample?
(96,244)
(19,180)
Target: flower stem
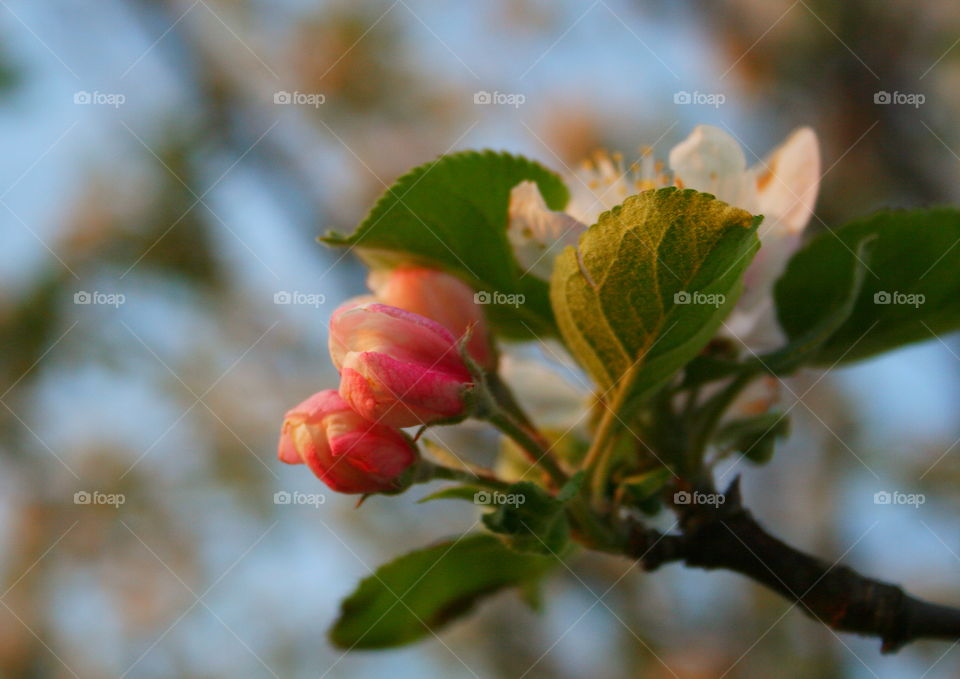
(707,419)
(530,442)
(429,471)
(494,402)
(505,398)
(598,456)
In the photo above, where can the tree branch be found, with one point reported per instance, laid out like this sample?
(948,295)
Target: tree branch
(727,536)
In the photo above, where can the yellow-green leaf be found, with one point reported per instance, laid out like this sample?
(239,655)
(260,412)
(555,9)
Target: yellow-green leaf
(649,285)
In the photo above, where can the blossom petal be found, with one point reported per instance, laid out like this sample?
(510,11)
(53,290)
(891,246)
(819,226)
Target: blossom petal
(377,450)
(392,392)
(310,411)
(376,327)
(349,453)
(710,160)
(286,450)
(537,233)
(312,446)
(318,405)
(438,296)
(788,182)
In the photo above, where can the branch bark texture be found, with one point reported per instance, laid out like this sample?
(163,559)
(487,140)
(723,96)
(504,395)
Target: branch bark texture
(726,536)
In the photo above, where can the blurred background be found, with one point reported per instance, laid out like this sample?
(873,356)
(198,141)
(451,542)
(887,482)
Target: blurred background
(166,167)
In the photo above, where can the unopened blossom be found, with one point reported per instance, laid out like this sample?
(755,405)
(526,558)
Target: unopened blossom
(440,297)
(348,452)
(397,367)
(783,189)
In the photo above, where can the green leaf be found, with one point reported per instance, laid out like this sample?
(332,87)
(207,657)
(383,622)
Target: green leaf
(911,291)
(427,588)
(622,300)
(756,436)
(529,519)
(452,214)
(833,314)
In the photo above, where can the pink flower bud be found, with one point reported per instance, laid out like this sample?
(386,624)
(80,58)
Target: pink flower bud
(397,367)
(347,452)
(440,297)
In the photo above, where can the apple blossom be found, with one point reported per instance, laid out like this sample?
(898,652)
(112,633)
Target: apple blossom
(783,189)
(397,367)
(440,297)
(346,451)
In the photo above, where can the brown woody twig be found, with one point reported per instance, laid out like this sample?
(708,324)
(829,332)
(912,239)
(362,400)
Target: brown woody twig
(727,536)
